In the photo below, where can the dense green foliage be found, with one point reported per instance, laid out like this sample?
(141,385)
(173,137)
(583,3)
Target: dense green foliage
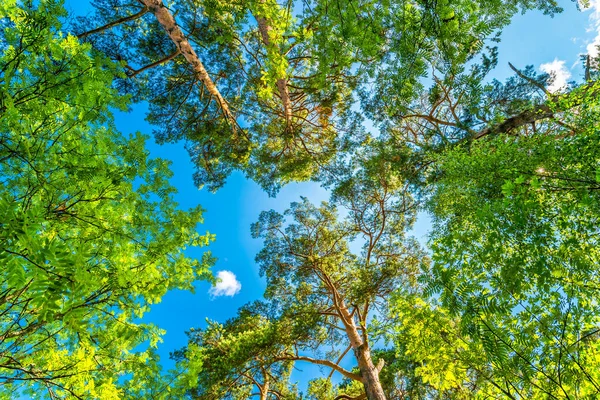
(502,304)
(516,254)
(292,79)
(322,297)
(89,232)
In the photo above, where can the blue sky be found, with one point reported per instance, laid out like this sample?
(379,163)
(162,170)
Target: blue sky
(532,39)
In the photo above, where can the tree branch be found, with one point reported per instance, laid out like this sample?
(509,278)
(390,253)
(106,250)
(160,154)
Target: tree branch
(380,365)
(346,397)
(327,363)
(542,111)
(114,23)
(588,65)
(530,80)
(135,72)
(339,360)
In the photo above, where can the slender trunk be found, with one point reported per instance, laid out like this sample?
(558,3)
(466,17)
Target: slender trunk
(264,390)
(368,371)
(264,28)
(165,18)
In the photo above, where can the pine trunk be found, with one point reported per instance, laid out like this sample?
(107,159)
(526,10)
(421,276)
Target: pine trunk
(264,390)
(165,18)
(368,371)
(264,27)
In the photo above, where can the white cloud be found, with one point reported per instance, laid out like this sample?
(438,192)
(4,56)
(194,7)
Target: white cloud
(559,72)
(227,285)
(592,47)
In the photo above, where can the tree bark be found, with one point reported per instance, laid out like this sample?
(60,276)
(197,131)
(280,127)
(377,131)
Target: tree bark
(165,18)
(264,28)
(368,371)
(526,117)
(264,390)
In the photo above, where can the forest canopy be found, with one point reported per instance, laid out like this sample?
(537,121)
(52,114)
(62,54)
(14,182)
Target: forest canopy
(391,107)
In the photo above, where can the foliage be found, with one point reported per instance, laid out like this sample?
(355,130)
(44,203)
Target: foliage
(90,235)
(515,248)
(293,74)
(327,278)
(239,358)
(505,307)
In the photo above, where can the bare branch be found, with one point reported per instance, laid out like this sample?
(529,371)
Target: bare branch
(135,72)
(339,360)
(327,363)
(114,23)
(528,79)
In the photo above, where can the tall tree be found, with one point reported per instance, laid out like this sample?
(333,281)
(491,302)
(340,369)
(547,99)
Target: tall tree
(89,233)
(512,184)
(272,89)
(320,293)
(509,172)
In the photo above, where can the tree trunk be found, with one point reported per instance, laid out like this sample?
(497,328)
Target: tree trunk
(264,28)
(264,390)
(368,371)
(165,18)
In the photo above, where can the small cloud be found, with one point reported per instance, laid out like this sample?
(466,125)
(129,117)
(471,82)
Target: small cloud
(227,285)
(559,73)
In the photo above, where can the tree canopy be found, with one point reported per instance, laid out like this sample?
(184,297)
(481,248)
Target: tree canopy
(322,298)
(272,89)
(90,235)
(388,105)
